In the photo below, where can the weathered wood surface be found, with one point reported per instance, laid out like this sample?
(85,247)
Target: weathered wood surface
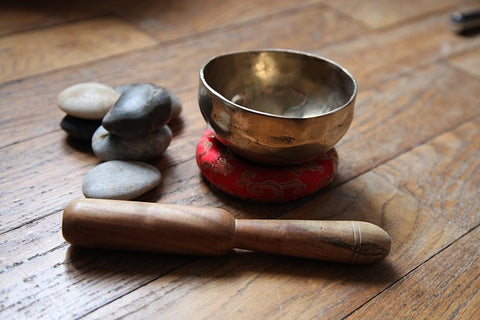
(410,162)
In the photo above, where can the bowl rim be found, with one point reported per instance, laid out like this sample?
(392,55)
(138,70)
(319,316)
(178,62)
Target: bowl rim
(289,51)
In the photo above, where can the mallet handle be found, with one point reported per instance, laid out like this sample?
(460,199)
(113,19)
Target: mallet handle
(208,231)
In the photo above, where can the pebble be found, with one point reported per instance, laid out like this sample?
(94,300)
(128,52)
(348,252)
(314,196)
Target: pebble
(176,104)
(122,180)
(108,146)
(141,109)
(124,87)
(81,129)
(88,100)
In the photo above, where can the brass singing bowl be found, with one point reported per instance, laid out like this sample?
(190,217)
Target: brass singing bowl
(277,107)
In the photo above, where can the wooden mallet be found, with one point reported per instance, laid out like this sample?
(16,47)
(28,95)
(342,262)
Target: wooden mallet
(194,230)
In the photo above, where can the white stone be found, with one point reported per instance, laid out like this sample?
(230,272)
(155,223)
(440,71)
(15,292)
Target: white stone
(122,180)
(88,100)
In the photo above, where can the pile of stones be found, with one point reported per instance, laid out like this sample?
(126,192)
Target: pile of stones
(127,126)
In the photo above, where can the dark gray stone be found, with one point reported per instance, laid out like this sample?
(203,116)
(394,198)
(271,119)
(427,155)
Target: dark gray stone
(124,87)
(108,146)
(122,180)
(141,109)
(81,129)
(176,105)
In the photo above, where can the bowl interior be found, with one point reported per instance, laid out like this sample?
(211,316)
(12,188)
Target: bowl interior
(281,83)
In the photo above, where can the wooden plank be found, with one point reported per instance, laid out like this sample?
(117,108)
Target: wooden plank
(47,278)
(398,115)
(175,67)
(444,174)
(38,51)
(417,232)
(161,19)
(468,61)
(27,15)
(386,54)
(379,14)
(404,100)
(379,133)
(369,197)
(430,80)
(446,285)
(50,167)
(250,285)
(33,185)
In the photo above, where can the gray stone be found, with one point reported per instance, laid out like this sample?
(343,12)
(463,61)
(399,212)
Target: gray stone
(124,87)
(122,180)
(176,105)
(108,146)
(89,100)
(140,110)
(81,129)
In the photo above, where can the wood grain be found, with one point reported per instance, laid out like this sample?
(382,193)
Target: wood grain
(48,49)
(468,62)
(278,288)
(409,163)
(386,54)
(370,141)
(380,14)
(444,174)
(373,198)
(17,16)
(175,67)
(49,279)
(446,285)
(161,19)
(26,199)
(386,113)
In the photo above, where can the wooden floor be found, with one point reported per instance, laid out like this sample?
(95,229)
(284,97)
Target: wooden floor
(410,162)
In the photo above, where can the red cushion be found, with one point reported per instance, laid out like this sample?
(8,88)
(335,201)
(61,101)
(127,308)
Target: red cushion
(248,180)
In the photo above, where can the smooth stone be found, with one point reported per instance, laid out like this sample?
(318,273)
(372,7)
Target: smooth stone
(176,106)
(140,110)
(108,146)
(122,180)
(124,87)
(88,100)
(81,129)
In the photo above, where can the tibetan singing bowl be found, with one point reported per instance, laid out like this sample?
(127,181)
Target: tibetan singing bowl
(277,107)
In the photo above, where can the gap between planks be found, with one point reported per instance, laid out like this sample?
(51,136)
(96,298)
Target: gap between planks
(333,186)
(158,43)
(406,274)
(180,265)
(410,272)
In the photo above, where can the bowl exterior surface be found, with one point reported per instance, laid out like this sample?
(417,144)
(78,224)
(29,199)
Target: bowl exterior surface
(271,138)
